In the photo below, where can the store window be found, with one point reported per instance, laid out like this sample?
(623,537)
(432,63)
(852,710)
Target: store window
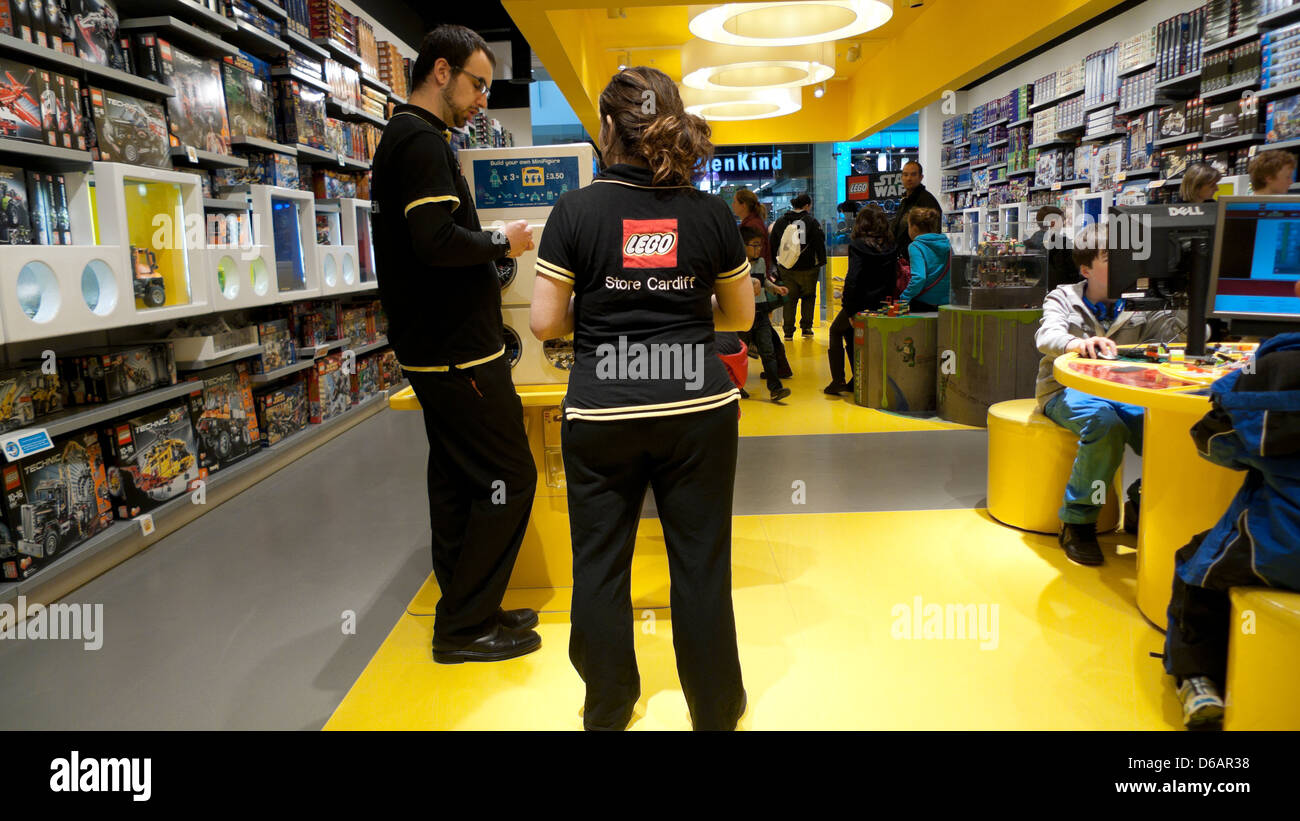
(775,173)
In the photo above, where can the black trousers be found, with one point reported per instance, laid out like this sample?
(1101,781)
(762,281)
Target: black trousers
(1196,638)
(841,343)
(690,462)
(803,295)
(481,486)
(767,342)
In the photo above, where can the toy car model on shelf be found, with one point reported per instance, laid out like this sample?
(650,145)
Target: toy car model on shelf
(150,287)
(65,499)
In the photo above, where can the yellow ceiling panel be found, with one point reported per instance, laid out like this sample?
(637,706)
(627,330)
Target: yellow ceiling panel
(903,65)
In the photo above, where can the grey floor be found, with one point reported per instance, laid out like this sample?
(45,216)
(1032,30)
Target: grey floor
(235,621)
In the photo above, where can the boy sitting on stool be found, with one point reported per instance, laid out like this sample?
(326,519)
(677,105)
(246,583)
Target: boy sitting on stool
(1257,541)
(1081,318)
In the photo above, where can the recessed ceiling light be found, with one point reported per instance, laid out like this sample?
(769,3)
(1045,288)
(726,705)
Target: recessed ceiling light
(788,23)
(757,104)
(708,65)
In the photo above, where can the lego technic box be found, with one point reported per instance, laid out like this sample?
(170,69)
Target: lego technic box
(53,501)
(95,29)
(197,112)
(151,458)
(21,115)
(129,130)
(15,207)
(282,412)
(28,395)
(224,416)
(329,389)
(248,102)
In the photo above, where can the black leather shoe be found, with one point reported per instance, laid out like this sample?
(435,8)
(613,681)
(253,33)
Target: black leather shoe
(1133,507)
(521,619)
(498,644)
(1080,543)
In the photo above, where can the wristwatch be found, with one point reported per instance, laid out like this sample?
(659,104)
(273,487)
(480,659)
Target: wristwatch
(500,240)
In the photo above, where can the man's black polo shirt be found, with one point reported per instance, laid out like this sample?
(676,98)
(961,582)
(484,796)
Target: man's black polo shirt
(438,315)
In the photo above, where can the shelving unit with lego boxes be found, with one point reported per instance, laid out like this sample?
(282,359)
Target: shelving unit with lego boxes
(393,70)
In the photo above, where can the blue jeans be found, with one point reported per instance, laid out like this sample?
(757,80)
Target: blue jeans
(1103,427)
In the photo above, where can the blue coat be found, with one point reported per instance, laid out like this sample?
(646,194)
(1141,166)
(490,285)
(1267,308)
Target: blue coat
(930,255)
(1254,426)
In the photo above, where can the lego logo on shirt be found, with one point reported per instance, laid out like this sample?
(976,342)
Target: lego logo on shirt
(650,243)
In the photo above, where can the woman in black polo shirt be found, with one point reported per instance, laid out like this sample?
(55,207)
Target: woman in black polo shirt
(642,268)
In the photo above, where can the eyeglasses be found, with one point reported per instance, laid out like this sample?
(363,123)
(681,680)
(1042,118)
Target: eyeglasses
(482,86)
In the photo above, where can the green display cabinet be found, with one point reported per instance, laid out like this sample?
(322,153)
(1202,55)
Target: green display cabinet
(894,362)
(985,356)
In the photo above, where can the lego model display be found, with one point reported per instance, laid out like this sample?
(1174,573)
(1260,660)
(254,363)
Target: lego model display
(329,389)
(129,130)
(148,285)
(248,101)
(1000,275)
(20,107)
(224,416)
(15,214)
(94,24)
(52,502)
(96,377)
(197,112)
(151,458)
(283,411)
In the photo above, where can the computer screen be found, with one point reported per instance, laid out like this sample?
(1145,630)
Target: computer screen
(1256,260)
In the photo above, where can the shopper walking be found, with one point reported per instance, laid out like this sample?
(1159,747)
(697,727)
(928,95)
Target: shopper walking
(797,232)
(641,266)
(916,196)
(439,288)
(753,214)
(871,278)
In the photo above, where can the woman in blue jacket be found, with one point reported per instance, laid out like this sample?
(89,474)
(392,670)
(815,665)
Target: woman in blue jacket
(931,257)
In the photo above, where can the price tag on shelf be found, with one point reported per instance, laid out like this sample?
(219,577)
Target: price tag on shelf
(146,523)
(23,443)
(1121,176)
(339,157)
(1156,184)
(1056,186)
(191,154)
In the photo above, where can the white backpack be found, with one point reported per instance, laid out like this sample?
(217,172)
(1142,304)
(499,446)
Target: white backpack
(791,248)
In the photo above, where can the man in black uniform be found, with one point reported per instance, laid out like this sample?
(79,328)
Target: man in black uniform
(439,287)
(917,196)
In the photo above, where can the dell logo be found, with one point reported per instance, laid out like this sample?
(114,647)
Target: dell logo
(1190,211)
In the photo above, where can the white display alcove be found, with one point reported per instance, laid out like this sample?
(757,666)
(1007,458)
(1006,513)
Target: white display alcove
(1014,222)
(338,259)
(155,220)
(284,220)
(241,271)
(357,232)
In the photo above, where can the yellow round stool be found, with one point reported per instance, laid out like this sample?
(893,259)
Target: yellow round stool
(1030,458)
(1263,660)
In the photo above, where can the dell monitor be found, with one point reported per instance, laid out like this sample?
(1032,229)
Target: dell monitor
(1256,264)
(1159,258)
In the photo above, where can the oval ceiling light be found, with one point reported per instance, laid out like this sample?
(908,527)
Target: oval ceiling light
(755,104)
(788,23)
(710,66)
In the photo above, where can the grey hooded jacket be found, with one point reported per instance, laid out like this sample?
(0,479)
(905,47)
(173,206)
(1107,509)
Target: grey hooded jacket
(1066,317)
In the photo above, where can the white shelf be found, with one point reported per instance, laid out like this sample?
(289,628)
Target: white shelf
(1179,139)
(1279,91)
(312,352)
(339,53)
(225,205)
(1209,145)
(987,126)
(1284,145)
(87,416)
(370,346)
(263,145)
(255,41)
(207,159)
(241,352)
(307,79)
(183,35)
(187,10)
(375,82)
(1228,91)
(271,9)
(100,75)
(280,373)
(48,157)
(301,43)
(1137,69)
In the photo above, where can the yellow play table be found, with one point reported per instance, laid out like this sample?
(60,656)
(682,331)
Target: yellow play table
(1182,493)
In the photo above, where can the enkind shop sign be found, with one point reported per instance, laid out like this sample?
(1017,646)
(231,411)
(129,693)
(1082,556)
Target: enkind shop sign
(746,161)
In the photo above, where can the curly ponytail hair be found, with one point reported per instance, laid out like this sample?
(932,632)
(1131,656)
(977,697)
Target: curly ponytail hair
(655,127)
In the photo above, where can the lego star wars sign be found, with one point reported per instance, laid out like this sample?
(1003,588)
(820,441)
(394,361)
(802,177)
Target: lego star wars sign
(650,243)
(864,187)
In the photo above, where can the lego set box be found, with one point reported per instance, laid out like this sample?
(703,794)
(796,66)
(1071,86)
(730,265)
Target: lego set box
(283,411)
(248,101)
(329,389)
(1284,119)
(300,113)
(264,168)
(278,349)
(129,130)
(95,378)
(224,416)
(52,502)
(151,458)
(197,113)
(95,29)
(22,113)
(28,395)
(365,378)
